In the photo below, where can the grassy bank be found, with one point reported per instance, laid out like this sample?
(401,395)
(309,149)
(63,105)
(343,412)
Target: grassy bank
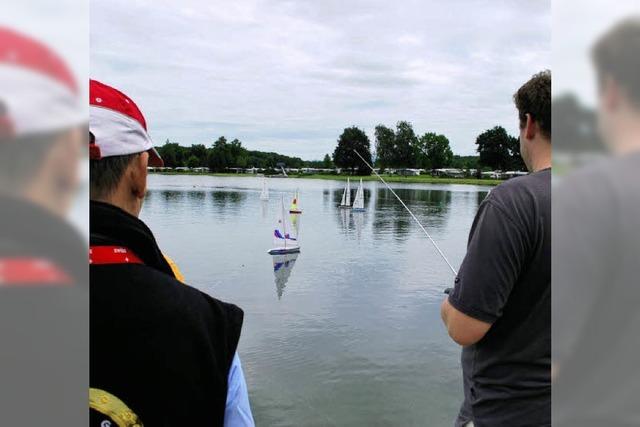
(420,179)
(423,179)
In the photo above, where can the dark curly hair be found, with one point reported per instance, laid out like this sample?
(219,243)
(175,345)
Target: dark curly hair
(534,98)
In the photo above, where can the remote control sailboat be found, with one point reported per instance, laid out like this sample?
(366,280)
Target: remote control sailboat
(285,237)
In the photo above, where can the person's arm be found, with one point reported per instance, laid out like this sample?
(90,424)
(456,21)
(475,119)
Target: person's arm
(495,255)
(237,412)
(463,329)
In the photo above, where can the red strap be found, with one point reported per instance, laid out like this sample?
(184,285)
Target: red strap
(99,255)
(31,271)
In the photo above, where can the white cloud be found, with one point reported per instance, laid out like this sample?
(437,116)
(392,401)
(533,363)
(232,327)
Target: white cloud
(288,76)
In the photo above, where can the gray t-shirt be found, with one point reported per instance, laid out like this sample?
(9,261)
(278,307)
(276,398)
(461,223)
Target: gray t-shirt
(505,280)
(596,295)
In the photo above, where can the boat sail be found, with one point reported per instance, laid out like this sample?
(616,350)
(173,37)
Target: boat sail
(265,191)
(285,237)
(358,203)
(345,203)
(295,204)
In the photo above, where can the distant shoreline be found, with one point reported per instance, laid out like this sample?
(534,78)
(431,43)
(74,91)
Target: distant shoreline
(419,179)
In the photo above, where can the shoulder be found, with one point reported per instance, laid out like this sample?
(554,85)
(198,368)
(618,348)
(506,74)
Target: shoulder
(186,295)
(141,284)
(527,190)
(609,177)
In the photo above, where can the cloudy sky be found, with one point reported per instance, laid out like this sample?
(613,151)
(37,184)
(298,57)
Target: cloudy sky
(288,76)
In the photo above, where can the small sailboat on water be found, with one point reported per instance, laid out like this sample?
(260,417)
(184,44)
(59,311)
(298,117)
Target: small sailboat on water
(295,204)
(345,203)
(264,195)
(358,202)
(285,237)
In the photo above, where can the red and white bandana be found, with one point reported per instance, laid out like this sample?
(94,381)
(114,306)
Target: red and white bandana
(117,125)
(38,92)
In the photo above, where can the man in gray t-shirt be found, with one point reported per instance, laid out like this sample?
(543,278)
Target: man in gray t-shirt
(500,307)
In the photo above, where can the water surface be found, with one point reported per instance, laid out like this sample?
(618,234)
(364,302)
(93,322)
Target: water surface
(347,332)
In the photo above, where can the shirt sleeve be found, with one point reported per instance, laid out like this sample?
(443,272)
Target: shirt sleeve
(495,255)
(237,412)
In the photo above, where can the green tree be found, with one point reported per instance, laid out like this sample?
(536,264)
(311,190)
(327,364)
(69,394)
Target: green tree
(405,147)
(235,151)
(494,147)
(385,146)
(326,162)
(516,163)
(171,153)
(242,161)
(464,162)
(435,151)
(199,151)
(193,162)
(219,156)
(353,138)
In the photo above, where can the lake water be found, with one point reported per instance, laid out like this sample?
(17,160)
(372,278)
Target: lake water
(348,332)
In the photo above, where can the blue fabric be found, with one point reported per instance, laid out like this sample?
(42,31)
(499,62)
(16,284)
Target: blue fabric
(238,411)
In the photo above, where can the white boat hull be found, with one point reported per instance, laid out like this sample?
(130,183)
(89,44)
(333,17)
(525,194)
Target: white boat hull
(288,250)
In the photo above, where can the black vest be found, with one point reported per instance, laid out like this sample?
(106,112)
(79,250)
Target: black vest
(162,348)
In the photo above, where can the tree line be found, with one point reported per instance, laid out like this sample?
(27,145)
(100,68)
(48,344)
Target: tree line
(394,148)
(403,148)
(222,155)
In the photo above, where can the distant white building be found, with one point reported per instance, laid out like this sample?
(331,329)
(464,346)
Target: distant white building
(511,174)
(492,174)
(408,172)
(310,170)
(450,172)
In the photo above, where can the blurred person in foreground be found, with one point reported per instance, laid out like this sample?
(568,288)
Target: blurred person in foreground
(42,139)
(500,307)
(596,293)
(161,351)
(43,257)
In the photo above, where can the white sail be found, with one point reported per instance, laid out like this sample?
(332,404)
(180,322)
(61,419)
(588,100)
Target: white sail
(358,203)
(343,202)
(264,195)
(285,237)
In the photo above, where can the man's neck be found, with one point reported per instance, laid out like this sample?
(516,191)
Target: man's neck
(541,164)
(118,202)
(627,143)
(541,159)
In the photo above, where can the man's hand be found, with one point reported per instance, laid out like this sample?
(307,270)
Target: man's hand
(463,329)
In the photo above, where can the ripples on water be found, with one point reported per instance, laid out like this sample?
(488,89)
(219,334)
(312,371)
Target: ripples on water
(349,331)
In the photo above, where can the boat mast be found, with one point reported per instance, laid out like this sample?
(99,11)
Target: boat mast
(284,226)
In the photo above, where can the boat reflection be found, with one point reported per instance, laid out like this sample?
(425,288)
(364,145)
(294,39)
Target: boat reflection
(358,222)
(282,266)
(294,220)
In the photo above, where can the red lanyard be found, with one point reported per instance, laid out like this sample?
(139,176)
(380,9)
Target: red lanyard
(31,271)
(99,255)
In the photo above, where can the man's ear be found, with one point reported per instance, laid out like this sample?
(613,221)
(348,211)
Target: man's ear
(139,175)
(610,94)
(530,128)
